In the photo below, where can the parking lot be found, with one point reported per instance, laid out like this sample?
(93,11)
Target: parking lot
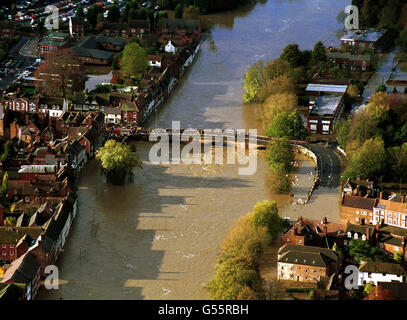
(12,68)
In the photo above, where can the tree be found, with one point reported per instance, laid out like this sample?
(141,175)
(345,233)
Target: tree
(378,293)
(398,257)
(403,39)
(318,55)
(134,59)
(118,161)
(178,11)
(381,88)
(253,81)
(280,155)
(113,15)
(80,14)
(362,252)
(369,13)
(4,184)
(369,161)
(93,13)
(353,91)
(9,151)
(342,132)
(277,68)
(292,54)
(287,125)
(265,214)
(398,161)
(61,69)
(281,84)
(277,103)
(11,221)
(191,12)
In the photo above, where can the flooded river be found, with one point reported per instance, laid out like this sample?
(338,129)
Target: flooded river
(158,238)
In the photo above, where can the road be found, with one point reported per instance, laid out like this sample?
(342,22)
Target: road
(329,165)
(25,62)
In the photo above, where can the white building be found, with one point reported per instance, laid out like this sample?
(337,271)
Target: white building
(375,272)
(170,48)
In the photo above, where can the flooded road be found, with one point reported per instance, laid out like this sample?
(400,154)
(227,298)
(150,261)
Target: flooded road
(158,238)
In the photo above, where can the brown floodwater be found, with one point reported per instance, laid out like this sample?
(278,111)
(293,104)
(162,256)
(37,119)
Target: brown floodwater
(159,236)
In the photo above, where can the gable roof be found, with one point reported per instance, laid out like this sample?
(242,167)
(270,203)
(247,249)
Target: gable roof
(358,202)
(382,267)
(330,254)
(305,258)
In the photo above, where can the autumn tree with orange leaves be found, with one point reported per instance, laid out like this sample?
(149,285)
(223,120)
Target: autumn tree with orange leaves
(61,72)
(378,293)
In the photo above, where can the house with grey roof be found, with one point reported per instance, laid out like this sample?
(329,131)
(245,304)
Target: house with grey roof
(98,50)
(306,263)
(374,272)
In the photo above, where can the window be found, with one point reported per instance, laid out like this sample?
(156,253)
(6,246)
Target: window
(11,245)
(4,246)
(11,253)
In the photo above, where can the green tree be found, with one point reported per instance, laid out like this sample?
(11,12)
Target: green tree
(280,155)
(11,221)
(113,15)
(134,59)
(398,161)
(342,132)
(318,55)
(277,68)
(265,214)
(381,88)
(292,54)
(4,184)
(9,151)
(369,161)
(403,39)
(362,251)
(118,161)
(253,81)
(353,91)
(191,12)
(287,125)
(178,11)
(80,14)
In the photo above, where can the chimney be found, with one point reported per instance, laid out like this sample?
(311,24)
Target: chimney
(358,178)
(300,220)
(324,220)
(381,195)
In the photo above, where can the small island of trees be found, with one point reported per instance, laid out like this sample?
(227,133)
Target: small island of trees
(118,161)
